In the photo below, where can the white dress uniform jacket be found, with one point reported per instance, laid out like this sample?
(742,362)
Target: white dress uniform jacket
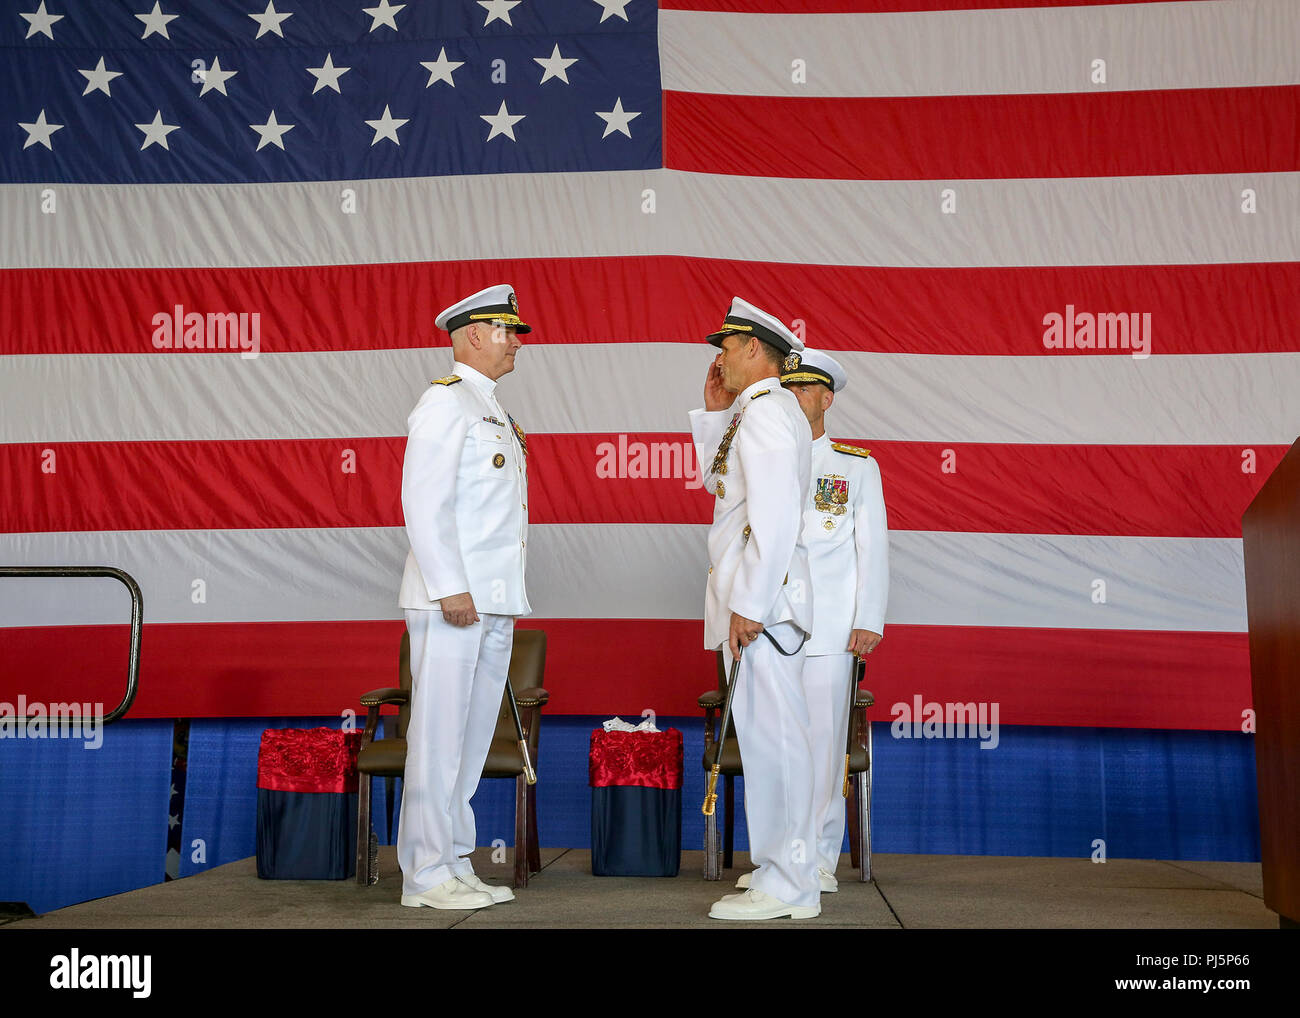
(458,531)
(847,535)
(758,564)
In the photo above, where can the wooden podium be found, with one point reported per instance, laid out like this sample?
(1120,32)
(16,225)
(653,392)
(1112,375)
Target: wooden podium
(1270,530)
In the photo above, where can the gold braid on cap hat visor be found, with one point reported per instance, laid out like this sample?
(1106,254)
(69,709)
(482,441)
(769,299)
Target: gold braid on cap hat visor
(805,376)
(497,316)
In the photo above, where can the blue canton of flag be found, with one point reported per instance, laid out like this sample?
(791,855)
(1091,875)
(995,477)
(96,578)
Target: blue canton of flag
(178,91)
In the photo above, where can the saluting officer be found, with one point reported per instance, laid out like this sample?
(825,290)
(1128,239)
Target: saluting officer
(465,501)
(847,536)
(756,445)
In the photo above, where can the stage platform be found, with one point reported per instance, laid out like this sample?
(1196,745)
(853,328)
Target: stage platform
(907,891)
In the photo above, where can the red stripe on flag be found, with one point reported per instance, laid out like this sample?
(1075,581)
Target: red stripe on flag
(1140,491)
(966,137)
(1113,679)
(1225,308)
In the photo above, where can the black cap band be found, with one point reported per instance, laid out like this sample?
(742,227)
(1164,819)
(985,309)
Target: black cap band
(745,327)
(503,313)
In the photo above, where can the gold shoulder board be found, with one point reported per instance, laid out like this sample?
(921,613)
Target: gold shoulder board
(446,380)
(757,394)
(852,450)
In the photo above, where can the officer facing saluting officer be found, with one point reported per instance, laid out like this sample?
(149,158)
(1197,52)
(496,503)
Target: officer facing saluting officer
(756,445)
(465,501)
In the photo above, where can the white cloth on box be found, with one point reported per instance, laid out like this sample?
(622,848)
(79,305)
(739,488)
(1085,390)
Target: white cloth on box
(619,725)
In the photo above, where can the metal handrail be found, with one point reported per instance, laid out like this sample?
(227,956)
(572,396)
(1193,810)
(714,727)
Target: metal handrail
(137,616)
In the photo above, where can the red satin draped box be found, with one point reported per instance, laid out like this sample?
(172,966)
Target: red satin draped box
(308,760)
(640,759)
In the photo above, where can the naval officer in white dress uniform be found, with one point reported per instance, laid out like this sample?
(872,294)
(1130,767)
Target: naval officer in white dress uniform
(847,535)
(465,502)
(755,445)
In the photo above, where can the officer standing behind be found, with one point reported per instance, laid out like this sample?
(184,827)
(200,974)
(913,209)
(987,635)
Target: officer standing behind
(464,498)
(847,536)
(758,600)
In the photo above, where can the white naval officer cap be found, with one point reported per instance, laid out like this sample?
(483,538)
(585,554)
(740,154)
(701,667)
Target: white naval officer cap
(814,366)
(746,320)
(493,304)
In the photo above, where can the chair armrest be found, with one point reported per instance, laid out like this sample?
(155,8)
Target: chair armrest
(379,697)
(533,697)
(713,698)
(865,699)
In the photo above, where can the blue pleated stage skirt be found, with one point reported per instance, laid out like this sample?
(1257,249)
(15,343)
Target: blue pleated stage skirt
(306,835)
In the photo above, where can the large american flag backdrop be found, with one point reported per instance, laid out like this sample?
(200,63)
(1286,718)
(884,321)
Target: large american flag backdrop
(984,209)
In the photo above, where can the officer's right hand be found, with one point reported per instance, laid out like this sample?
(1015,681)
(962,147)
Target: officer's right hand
(459,609)
(742,633)
(716,396)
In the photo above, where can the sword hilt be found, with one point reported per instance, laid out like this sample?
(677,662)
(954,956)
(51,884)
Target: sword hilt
(711,796)
(846,776)
(530,775)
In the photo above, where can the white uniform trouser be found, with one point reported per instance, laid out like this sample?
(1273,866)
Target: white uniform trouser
(458,676)
(770,712)
(826,678)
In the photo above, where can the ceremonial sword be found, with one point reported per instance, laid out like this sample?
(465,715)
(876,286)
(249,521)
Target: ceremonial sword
(529,773)
(711,796)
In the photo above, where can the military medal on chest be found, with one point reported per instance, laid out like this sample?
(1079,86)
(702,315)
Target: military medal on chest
(832,496)
(719,466)
(519,434)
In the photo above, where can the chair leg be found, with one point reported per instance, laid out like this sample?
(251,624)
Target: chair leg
(534,845)
(389,784)
(864,810)
(851,816)
(521,832)
(366,874)
(711,871)
(729,831)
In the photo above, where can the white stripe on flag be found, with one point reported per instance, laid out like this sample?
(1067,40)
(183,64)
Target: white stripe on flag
(1225,44)
(1175,220)
(632,572)
(1179,399)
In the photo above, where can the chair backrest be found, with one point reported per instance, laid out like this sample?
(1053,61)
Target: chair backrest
(404,681)
(527,671)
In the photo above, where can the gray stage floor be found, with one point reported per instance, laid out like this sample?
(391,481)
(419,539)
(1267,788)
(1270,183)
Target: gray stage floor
(907,891)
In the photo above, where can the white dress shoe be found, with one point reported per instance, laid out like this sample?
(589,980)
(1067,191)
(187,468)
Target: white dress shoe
(829,884)
(496,892)
(757,905)
(452,894)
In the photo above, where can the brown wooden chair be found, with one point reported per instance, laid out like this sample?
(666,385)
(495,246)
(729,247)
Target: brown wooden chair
(386,757)
(858,806)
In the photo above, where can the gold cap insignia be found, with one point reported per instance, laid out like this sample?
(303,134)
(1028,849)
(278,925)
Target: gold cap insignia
(514,304)
(792,361)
